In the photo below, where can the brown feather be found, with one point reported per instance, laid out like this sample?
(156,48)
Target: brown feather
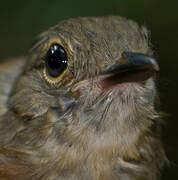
(75,129)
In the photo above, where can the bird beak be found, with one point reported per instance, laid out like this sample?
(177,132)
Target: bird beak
(131,67)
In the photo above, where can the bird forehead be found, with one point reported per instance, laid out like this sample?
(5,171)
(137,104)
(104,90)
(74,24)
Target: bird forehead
(113,29)
(111,32)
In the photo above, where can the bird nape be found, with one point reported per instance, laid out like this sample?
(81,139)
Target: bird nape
(81,105)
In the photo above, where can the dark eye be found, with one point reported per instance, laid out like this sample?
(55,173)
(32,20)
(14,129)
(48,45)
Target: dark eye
(56,60)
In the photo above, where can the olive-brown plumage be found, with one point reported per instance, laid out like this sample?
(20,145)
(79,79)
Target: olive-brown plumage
(82,106)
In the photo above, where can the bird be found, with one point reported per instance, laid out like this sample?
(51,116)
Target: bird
(82,105)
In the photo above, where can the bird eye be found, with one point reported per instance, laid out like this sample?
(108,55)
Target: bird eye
(55,63)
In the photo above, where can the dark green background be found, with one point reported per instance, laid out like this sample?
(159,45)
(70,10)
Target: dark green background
(21,21)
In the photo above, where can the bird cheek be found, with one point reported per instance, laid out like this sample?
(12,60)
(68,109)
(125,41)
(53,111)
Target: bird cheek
(65,103)
(80,88)
(68,79)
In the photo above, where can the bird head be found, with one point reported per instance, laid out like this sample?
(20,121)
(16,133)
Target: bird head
(89,77)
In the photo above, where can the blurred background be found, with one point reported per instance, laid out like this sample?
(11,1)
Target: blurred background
(21,21)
